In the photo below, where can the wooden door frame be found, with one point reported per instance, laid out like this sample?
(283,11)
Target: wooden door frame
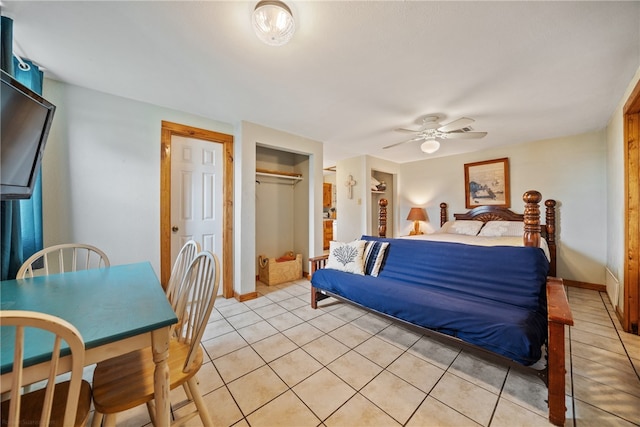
(170,129)
(631,297)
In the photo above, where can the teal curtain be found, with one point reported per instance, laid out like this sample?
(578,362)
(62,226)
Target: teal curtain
(21,220)
(30,209)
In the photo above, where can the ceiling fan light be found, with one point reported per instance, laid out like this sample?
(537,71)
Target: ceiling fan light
(273,22)
(430,146)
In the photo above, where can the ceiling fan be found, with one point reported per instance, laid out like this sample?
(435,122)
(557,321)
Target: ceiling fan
(432,131)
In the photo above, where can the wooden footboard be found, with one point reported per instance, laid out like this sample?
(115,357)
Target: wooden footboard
(316,263)
(559,315)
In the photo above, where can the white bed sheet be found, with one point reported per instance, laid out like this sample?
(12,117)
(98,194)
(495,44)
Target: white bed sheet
(478,240)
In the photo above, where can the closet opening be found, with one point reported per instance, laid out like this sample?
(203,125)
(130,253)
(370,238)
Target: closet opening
(282,212)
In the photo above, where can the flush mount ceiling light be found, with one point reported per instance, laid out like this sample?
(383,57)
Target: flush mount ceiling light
(273,22)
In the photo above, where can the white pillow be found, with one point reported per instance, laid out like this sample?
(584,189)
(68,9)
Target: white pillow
(347,257)
(502,228)
(467,227)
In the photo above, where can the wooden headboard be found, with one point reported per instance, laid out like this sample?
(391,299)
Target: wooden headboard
(533,229)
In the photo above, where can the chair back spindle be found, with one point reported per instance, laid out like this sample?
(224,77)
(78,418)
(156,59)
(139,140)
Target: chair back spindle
(63,258)
(43,406)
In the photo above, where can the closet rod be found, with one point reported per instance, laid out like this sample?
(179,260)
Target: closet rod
(275,175)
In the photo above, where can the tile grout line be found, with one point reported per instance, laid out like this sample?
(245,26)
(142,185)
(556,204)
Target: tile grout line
(636,370)
(573,401)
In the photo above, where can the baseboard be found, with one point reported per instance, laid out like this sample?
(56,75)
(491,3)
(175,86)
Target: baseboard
(620,316)
(245,297)
(305,275)
(585,285)
(613,287)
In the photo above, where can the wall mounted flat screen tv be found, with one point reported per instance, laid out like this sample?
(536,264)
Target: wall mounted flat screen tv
(24,127)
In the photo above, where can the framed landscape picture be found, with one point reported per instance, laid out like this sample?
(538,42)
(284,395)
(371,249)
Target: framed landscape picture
(487,183)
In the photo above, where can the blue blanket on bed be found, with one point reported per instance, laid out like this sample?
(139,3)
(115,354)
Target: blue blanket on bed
(492,297)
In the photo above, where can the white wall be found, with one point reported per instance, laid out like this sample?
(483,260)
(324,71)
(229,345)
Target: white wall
(571,170)
(615,200)
(101,181)
(101,172)
(352,211)
(245,227)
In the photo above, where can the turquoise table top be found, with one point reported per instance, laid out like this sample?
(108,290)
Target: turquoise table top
(105,305)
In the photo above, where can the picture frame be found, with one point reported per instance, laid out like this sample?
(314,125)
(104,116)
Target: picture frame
(487,183)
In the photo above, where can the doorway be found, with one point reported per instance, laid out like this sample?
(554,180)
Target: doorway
(382,186)
(631,302)
(175,136)
(282,203)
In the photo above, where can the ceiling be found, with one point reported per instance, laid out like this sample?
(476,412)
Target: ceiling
(354,71)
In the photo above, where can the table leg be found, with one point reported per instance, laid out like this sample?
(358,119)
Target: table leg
(160,346)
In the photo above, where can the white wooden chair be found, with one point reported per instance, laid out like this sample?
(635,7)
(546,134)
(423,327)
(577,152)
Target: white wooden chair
(71,402)
(187,253)
(62,258)
(123,382)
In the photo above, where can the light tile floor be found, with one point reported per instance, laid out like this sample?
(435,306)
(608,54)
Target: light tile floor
(274,361)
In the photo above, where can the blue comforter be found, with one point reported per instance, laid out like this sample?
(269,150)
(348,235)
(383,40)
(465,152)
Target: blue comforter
(492,297)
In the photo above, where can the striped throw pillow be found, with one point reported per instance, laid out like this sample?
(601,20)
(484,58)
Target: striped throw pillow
(373,256)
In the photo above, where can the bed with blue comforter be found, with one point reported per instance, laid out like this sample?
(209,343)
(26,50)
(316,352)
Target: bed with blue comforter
(499,299)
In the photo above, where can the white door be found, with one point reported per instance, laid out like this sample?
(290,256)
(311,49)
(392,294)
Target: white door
(196,195)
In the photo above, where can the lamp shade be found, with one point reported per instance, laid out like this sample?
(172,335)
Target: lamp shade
(273,22)
(430,146)
(417,214)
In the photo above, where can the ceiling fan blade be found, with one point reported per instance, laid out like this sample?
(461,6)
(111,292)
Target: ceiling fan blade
(405,130)
(417,138)
(456,124)
(466,135)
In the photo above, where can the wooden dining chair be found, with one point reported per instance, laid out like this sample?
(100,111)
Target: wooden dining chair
(125,382)
(187,253)
(63,258)
(63,404)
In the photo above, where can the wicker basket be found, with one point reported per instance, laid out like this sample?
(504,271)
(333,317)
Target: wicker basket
(273,272)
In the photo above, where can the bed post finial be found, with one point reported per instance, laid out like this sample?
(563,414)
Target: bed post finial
(382,218)
(443,213)
(532,199)
(551,233)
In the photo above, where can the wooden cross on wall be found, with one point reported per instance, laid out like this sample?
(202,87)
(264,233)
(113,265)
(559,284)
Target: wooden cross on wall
(349,184)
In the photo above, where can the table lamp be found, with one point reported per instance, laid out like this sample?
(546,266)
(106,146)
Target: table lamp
(416,215)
